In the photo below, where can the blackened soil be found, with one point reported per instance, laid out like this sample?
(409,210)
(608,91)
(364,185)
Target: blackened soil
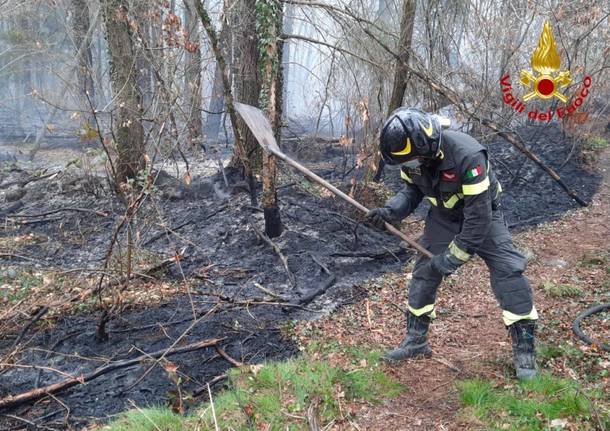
(71,347)
(329,255)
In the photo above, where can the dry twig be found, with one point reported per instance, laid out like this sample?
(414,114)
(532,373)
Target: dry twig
(277,251)
(35,394)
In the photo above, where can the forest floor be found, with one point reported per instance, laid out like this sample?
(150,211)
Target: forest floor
(569,270)
(203,271)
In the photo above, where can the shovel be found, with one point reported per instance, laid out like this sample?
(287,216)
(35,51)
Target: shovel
(261,129)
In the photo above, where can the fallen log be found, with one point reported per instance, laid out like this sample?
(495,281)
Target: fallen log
(306,298)
(35,394)
(55,211)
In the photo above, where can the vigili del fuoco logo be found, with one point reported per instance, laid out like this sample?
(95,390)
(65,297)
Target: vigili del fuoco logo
(545,81)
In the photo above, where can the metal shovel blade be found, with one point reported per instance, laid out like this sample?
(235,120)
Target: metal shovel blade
(260,127)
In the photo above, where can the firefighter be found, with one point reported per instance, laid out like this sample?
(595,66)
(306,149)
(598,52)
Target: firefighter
(452,171)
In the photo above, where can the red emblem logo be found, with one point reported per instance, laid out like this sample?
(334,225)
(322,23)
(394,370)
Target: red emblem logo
(449,176)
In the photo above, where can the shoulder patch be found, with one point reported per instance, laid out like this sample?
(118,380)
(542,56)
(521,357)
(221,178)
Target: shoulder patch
(474,172)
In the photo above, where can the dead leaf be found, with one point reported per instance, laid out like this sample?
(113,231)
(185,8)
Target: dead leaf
(559,423)
(344,141)
(254,369)
(170,367)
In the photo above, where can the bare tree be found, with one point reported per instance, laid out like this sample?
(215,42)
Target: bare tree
(216,105)
(192,82)
(129,133)
(403,50)
(401,73)
(247,79)
(228,96)
(82,43)
(269,26)
(148,41)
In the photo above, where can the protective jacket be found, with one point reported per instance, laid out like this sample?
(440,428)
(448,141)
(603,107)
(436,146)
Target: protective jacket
(461,186)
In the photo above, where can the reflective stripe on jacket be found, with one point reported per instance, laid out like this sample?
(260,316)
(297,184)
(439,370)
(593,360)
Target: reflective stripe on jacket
(461,186)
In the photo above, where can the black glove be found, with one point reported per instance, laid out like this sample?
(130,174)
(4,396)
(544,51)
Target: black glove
(378,216)
(445,263)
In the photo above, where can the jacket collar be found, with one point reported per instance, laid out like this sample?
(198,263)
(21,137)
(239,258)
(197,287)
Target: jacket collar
(447,161)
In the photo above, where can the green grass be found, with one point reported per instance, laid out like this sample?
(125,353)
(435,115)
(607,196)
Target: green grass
(548,351)
(148,419)
(278,395)
(596,143)
(530,406)
(561,290)
(21,284)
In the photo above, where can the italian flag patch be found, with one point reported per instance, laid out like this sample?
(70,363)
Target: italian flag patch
(474,172)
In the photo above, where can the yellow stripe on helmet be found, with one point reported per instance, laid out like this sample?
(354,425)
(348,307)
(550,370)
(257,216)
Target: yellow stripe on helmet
(406,150)
(428,130)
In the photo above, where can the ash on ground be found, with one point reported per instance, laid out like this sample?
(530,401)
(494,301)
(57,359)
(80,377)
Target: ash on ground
(330,253)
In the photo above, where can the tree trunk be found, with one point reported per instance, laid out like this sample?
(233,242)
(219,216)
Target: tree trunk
(404,49)
(192,84)
(286,52)
(228,95)
(82,43)
(215,108)
(129,133)
(269,25)
(400,71)
(217,102)
(26,106)
(145,48)
(247,80)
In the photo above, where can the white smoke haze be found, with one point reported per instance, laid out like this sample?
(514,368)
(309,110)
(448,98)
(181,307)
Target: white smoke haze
(336,65)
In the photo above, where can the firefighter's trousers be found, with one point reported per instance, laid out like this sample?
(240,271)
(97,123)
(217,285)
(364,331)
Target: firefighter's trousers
(506,265)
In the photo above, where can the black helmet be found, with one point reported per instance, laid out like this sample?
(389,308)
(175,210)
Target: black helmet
(409,133)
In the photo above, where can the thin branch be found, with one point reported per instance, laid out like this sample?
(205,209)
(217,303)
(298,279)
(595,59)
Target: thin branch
(330,45)
(35,394)
(277,251)
(229,359)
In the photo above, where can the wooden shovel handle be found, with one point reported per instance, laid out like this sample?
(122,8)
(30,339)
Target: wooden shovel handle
(347,199)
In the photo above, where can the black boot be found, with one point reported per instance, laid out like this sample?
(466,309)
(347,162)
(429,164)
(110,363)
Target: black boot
(524,353)
(415,343)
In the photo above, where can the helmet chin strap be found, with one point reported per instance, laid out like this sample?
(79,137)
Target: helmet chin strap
(439,151)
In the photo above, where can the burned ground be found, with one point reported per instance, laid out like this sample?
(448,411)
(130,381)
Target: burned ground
(225,263)
(224,260)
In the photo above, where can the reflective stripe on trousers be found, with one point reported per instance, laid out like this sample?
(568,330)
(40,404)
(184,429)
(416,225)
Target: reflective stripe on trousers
(506,266)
